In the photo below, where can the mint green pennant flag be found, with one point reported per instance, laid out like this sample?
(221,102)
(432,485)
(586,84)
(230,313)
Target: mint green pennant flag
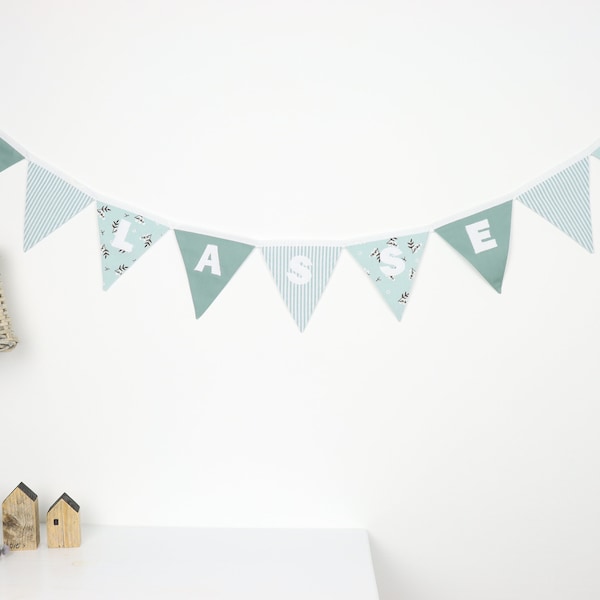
(124,237)
(301,274)
(563,199)
(596,153)
(8,155)
(210,263)
(483,239)
(392,264)
(50,202)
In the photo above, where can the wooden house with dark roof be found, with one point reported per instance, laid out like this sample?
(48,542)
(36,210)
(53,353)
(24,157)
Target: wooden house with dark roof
(21,519)
(63,525)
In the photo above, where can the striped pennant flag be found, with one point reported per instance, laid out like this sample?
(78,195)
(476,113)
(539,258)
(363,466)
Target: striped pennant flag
(49,203)
(8,156)
(564,200)
(392,265)
(124,238)
(210,263)
(301,274)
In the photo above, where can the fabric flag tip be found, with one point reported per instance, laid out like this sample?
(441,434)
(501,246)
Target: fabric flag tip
(8,155)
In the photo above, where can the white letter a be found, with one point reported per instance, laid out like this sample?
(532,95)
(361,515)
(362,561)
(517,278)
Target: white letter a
(209,258)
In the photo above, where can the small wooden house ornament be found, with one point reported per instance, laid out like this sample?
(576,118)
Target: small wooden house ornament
(21,519)
(62,524)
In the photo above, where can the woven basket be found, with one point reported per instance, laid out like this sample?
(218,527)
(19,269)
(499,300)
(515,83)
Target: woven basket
(7,338)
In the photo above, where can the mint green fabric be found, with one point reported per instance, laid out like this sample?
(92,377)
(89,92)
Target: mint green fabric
(8,156)
(125,237)
(392,264)
(483,239)
(596,153)
(50,202)
(210,263)
(301,273)
(563,199)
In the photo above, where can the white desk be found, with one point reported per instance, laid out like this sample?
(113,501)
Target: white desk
(207,564)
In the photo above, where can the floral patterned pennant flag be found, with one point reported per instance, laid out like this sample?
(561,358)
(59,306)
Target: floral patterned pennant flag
(210,263)
(301,274)
(564,200)
(483,239)
(8,156)
(49,203)
(124,237)
(391,264)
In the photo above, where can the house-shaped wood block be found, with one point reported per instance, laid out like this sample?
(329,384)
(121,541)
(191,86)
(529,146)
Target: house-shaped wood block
(21,519)
(64,529)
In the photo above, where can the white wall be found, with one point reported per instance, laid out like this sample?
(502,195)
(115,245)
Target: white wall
(463,438)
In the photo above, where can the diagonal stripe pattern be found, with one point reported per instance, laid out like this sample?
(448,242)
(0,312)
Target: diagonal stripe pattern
(564,200)
(49,203)
(301,274)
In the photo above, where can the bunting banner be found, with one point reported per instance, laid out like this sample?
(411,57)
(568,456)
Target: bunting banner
(301,274)
(302,269)
(124,238)
(483,239)
(210,263)
(564,200)
(8,156)
(49,203)
(392,265)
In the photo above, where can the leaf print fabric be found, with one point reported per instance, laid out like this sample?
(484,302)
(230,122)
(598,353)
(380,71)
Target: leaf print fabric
(124,237)
(392,265)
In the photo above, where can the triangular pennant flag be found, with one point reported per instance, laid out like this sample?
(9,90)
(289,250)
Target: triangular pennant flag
(391,264)
(301,274)
(483,239)
(564,200)
(124,237)
(49,203)
(210,263)
(8,156)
